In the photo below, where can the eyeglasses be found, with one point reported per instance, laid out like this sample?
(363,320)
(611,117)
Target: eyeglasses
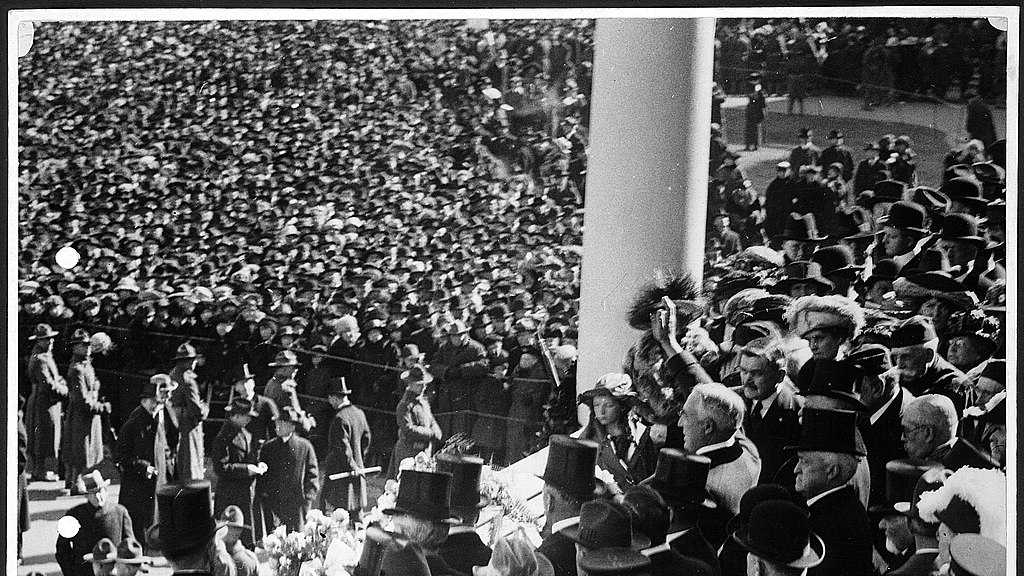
(908,430)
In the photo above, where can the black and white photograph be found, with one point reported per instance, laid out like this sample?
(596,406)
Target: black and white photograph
(606,292)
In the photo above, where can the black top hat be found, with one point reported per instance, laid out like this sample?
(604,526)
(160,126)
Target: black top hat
(339,388)
(966,191)
(870,359)
(603,524)
(186,519)
(836,259)
(779,531)
(829,431)
(801,227)
(425,495)
(570,465)
(837,379)
(42,332)
(976,555)
(961,228)
(241,406)
(680,478)
(913,331)
(963,453)
(799,273)
(901,477)
(906,216)
(465,486)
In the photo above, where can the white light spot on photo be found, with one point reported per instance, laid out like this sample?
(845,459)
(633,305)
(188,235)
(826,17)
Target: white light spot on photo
(67,257)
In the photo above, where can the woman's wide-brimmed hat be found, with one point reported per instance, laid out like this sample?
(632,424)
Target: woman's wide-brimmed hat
(614,384)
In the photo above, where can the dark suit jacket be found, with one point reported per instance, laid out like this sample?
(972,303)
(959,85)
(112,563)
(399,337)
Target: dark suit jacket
(669,562)
(293,476)
(561,551)
(348,440)
(843,525)
(920,564)
(232,451)
(692,544)
(883,441)
(464,550)
(771,433)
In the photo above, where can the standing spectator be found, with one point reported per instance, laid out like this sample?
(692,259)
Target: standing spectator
(777,201)
(97,518)
(145,451)
(189,412)
(348,442)
(837,151)
(262,425)
(234,454)
(282,388)
(44,410)
(24,519)
(979,119)
(756,105)
(806,154)
(417,429)
(460,363)
(85,409)
(491,399)
(291,483)
(626,449)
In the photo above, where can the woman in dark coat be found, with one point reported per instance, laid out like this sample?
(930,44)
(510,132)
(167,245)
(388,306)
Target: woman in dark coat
(85,409)
(626,448)
(755,115)
(417,428)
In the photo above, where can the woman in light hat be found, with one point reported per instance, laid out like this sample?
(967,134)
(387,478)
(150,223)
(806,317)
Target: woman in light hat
(626,448)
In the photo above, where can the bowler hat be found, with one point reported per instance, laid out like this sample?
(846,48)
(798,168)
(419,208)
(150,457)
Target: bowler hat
(465,485)
(130,551)
(103,552)
(888,190)
(934,202)
(603,524)
(976,555)
(42,332)
(966,191)
(570,465)
(779,531)
(680,478)
(285,358)
(425,495)
(241,406)
(961,228)
(185,351)
(186,519)
(233,517)
(802,227)
(751,498)
(799,273)
(836,260)
(906,216)
(829,431)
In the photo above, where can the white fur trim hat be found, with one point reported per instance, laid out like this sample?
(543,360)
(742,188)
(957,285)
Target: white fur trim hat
(809,313)
(971,500)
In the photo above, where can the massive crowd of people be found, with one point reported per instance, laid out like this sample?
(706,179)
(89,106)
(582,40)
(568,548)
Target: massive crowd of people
(335,248)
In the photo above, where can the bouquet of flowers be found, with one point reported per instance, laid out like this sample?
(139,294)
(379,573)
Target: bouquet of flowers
(326,546)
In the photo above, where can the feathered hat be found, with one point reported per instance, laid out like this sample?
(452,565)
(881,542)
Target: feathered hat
(971,500)
(678,287)
(809,313)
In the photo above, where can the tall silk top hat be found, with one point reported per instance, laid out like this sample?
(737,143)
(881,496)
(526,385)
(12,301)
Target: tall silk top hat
(680,478)
(829,431)
(425,495)
(570,465)
(186,517)
(465,483)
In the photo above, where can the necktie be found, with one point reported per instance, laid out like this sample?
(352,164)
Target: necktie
(160,456)
(755,412)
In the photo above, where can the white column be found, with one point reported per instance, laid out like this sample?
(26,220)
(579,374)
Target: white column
(647,172)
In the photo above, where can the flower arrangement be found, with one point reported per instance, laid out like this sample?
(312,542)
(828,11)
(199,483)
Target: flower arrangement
(326,546)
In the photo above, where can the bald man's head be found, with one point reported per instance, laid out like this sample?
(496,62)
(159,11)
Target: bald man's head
(928,422)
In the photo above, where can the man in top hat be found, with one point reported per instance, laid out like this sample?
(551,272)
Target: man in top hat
(778,201)
(244,387)
(837,151)
(232,530)
(970,263)
(422,517)
(885,401)
(44,409)
(772,418)
(965,195)
(418,430)
(827,459)
(85,409)
(234,454)
(291,483)
(463,548)
(458,364)
(189,410)
(781,541)
(568,483)
(800,237)
(145,447)
(282,389)
(806,153)
(921,369)
(711,419)
(85,524)
(348,442)
(131,559)
(185,531)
